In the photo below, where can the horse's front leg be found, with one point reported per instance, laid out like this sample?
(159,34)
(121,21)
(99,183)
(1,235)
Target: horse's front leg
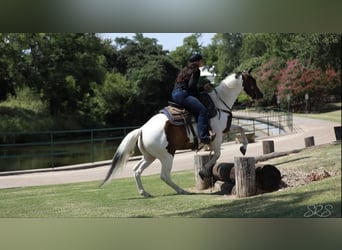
(244,139)
(206,170)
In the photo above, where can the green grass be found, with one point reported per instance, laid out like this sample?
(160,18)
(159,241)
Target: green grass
(330,112)
(120,197)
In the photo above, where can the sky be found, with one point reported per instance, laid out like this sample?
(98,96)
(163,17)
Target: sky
(169,41)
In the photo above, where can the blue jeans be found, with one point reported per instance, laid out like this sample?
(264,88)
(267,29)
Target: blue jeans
(195,107)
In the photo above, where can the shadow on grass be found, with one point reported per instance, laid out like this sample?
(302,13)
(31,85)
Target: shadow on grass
(271,205)
(293,160)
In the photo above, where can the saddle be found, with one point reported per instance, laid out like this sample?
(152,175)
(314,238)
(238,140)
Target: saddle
(179,116)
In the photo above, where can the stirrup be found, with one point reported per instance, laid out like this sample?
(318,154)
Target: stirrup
(212,136)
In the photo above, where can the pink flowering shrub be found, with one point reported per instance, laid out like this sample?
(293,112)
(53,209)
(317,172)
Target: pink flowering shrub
(297,80)
(277,78)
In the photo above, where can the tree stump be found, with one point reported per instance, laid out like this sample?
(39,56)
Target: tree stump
(338,133)
(200,160)
(245,176)
(309,141)
(268,147)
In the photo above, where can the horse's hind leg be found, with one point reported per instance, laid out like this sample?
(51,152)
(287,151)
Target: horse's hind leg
(166,175)
(138,169)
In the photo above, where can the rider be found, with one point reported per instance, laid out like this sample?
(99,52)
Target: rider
(185,93)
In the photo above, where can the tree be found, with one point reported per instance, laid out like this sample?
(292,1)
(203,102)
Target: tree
(297,80)
(12,64)
(227,48)
(320,50)
(182,53)
(113,99)
(266,76)
(64,66)
(149,71)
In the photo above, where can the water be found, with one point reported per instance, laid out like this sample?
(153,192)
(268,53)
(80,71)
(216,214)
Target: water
(35,157)
(21,151)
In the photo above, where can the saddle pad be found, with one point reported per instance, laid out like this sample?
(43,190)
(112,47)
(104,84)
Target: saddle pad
(176,115)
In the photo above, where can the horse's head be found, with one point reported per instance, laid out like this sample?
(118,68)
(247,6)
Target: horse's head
(249,85)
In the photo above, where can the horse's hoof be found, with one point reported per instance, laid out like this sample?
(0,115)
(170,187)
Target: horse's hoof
(243,150)
(146,195)
(203,174)
(183,192)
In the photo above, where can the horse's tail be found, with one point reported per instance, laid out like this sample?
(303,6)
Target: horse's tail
(124,151)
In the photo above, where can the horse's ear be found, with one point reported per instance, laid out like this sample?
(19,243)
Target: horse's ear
(249,71)
(237,75)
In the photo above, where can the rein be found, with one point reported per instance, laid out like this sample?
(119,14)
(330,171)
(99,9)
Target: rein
(229,109)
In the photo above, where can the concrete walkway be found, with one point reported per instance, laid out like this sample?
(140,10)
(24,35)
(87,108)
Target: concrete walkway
(323,132)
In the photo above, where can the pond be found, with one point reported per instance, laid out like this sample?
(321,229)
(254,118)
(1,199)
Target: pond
(21,151)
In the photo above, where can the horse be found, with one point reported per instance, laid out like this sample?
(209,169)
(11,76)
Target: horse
(159,139)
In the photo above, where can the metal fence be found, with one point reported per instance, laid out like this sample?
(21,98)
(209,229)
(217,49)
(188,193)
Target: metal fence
(265,122)
(57,148)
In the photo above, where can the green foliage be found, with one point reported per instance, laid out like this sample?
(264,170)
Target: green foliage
(113,98)
(100,83)
(182,53)
(321,50)
(224,53)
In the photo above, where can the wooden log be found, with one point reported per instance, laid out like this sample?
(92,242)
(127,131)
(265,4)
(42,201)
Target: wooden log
(276,154)
(309,141)
(224,172)
(245,176)
(200,160)
(337,133)
(267,178)
(267,147)
(224,187)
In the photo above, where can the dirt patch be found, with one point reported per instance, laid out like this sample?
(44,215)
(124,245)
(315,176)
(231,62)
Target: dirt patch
(293,178)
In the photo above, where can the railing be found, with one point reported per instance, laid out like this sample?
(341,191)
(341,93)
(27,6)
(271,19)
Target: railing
(57,148)
(266,121)
(261,123)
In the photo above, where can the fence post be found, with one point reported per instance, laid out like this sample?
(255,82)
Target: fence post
(337,133)
(244,176)
(52,150)
(267,147)
(309,141)
(92,146)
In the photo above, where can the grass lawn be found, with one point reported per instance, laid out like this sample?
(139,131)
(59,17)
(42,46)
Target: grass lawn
(120,198)
(332,113)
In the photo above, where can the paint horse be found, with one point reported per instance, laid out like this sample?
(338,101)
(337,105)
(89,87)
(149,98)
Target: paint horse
(159,139)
